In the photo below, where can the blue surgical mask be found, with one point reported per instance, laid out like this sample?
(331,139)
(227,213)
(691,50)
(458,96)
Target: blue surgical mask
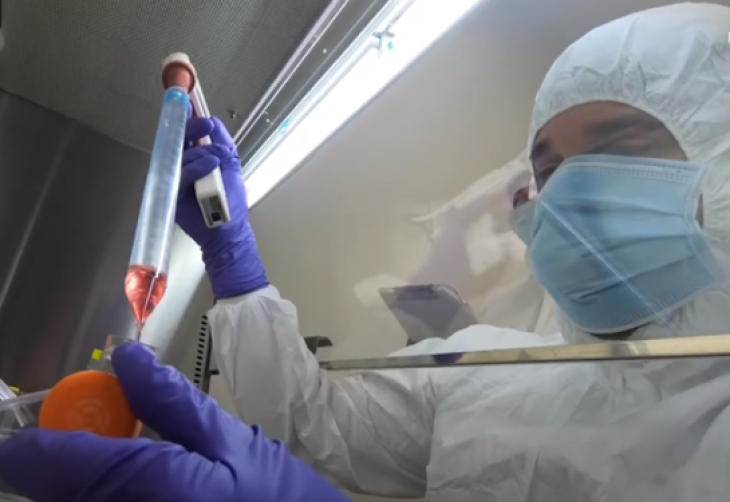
(522,218)
(616,243)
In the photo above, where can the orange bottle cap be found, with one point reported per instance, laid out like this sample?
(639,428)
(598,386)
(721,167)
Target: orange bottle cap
(91,401)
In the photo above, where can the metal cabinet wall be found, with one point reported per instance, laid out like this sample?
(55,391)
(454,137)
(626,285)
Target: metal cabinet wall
(69,199)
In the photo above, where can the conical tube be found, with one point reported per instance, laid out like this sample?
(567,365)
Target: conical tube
(146,279)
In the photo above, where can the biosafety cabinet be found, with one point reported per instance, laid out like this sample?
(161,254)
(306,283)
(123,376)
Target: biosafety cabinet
(378,140)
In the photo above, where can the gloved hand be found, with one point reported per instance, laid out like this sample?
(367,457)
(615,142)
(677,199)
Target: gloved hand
(229,251)
(207,454)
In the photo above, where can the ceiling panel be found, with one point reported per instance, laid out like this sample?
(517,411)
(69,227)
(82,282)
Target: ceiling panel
(99,62)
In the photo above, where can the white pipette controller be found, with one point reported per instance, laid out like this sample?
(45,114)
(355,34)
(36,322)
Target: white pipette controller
(209,190)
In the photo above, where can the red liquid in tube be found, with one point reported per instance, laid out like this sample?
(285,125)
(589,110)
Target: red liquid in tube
(145,288)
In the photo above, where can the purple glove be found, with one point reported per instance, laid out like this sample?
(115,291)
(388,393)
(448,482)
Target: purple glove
(229,252)
(207,455)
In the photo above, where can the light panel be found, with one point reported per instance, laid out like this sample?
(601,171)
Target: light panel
(406,30)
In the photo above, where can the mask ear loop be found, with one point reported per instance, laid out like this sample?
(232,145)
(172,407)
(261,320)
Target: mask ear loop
(520,189)
(532,188)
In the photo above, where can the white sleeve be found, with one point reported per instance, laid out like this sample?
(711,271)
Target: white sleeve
(370,432)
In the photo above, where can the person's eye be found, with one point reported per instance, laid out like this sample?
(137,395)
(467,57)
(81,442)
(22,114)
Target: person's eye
(543,173)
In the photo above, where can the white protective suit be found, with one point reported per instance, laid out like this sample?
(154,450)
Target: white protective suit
(630,432)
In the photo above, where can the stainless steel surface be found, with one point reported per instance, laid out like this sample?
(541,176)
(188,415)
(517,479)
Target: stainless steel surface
(69,199)
(98,63)
(322,48)
(328,16)
(177,324)
(669,348)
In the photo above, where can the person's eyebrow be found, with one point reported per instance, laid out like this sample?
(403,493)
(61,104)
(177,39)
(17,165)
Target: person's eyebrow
(611,130)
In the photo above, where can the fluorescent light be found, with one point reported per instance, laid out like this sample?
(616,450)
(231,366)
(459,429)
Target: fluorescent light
(351,83)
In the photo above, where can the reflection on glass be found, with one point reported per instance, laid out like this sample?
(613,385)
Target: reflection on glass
(474,252)
(428,311)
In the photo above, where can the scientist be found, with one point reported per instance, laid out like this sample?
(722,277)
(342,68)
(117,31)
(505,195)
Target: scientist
(206,454)
(630,234)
